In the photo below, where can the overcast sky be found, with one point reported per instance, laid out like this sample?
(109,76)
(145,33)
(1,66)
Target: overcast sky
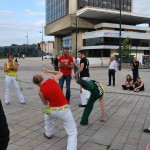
(17,17)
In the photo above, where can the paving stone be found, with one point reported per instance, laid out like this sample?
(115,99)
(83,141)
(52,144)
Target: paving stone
(104,135)
(129,147)
(12,147)
(126,113)
(89,146)
(132,141)
(116,145)
(43,146)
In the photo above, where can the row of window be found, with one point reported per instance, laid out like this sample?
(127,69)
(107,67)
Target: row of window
(111,4)
(55,9)
(97,53)
(113,41)
(67,43)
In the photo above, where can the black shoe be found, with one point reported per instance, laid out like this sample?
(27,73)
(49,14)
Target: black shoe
(108,85)
(146,130)
(47,136)
(82,105)
(113,85)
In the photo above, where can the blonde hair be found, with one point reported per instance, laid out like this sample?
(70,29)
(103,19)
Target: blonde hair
(37,79)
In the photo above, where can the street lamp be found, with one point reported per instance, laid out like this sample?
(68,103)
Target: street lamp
(136,52)
(76,35)
(27,41)
(27,38)
(120,58)
(42,42)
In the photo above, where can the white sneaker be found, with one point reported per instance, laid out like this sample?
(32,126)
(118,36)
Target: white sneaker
(7,103)
(23,103)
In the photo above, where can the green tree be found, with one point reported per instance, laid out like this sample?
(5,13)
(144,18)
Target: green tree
(125,48)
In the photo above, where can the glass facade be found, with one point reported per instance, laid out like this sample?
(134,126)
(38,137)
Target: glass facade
(55,9)
(113,41)
(97,52)
(110,4)
(67,43)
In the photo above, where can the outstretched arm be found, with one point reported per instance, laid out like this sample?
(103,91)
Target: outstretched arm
(56,74)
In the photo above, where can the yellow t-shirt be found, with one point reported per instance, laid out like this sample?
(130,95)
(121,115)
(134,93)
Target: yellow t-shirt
(11,71)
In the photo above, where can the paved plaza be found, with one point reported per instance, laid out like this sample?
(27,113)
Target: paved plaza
(126,113)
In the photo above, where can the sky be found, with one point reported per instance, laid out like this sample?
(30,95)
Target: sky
(19,18)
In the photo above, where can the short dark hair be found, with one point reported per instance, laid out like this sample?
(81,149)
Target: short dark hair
(81,51)
(10,55)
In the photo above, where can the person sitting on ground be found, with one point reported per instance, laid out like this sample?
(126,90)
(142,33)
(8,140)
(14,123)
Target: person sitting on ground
(128,83)
(97,92)
(139,85)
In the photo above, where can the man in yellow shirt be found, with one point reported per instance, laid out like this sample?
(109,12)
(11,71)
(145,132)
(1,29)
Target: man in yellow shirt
(11,68)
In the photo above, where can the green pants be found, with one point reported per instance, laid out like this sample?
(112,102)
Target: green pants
(90,86)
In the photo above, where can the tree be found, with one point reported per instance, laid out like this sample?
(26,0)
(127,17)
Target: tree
(125,48)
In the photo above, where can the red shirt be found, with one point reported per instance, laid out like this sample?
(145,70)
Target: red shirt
(53,93)
(67,60)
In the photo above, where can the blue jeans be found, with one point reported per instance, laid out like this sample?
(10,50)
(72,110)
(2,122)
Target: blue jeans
(68,81)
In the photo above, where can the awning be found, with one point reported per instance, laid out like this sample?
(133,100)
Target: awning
(112,15)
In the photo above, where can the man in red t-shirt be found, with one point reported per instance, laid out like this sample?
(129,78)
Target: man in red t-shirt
(65,63)
(52,96)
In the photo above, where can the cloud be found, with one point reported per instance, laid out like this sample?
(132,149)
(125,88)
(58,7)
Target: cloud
(6,12)
(40,2)
(29,12)
(141,6)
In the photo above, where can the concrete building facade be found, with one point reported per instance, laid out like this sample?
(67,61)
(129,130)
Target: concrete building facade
(93,25)
(47,47)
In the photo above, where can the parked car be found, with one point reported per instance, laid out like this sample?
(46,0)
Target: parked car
(48,56)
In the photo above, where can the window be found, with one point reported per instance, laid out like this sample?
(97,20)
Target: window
(85,2)
(55,9)
(67,43)
(96,3)
(110,4)
(90,2)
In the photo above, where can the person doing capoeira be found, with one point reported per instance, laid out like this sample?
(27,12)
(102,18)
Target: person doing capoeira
(52,96)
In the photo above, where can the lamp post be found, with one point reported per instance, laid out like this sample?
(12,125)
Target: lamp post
(27,41)
(76,35)
(120,58)
(27,38)
(42,42)
(136,52)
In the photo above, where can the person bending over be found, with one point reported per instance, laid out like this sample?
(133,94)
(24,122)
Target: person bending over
(97,92)
(52,96)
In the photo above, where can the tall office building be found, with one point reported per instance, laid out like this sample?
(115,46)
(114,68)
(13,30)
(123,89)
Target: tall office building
(93,25)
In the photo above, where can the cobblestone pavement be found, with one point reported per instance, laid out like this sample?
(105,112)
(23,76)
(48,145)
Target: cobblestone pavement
(126,112)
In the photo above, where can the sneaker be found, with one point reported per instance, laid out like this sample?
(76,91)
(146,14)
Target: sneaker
(7,103)
(146,130)
(23,103)
(47,136)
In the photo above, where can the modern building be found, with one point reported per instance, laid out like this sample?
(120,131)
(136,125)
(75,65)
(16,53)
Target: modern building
(94,25)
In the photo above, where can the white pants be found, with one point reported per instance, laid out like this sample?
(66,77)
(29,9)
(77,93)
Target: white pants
(69,124)
(85,94)
(8,81)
